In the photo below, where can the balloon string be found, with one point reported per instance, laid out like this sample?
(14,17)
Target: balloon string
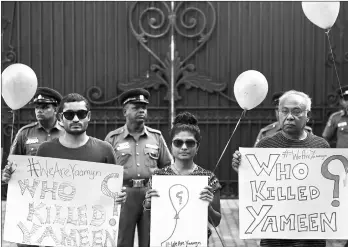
(334,62)
(13,121)
(229,140)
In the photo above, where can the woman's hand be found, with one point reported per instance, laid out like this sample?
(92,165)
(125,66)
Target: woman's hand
(207,194)
(236,160)
(122,196)
(150,193)
(7,172)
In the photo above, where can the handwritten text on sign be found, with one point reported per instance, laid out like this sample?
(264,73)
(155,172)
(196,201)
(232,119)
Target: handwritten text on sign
(58,202)
(293,193)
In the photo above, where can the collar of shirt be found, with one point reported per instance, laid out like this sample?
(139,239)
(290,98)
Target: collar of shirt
(56,126)
(126,132)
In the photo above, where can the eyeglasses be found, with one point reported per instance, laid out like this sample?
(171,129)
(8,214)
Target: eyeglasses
(295,111)
(189,143)
(81,114)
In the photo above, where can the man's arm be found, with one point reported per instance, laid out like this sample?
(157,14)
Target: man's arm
(330,128)
(17,146)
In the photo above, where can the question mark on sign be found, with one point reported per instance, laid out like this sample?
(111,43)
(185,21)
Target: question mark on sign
(106,191)
(178,195)
(325,172)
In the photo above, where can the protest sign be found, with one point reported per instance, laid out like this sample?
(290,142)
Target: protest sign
(59,202)
(293,193)
(178,216)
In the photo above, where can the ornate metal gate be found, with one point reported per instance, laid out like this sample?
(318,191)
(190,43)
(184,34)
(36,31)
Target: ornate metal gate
(187,55)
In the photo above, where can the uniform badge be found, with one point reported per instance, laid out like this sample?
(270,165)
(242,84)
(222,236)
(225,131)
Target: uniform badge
(342,124)
(151,146)
(122,146)
(32,140)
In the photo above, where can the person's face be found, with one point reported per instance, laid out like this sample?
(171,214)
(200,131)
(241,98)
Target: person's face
(344,102)
(184,146)
(293,115)
(75,117)
(45,112)
(135,112)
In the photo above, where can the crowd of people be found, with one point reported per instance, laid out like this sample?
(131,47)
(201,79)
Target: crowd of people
(60,132)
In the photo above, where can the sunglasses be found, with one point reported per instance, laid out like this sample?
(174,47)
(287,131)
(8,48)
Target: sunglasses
(189,143)
(69,115)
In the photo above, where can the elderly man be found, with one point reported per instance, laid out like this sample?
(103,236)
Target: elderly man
(273,128)
(140,150)
(294,108)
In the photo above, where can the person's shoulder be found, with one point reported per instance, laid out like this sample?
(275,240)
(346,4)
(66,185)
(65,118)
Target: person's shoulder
(337,114)
(309,129)
(152,130)
(319,142)
(99,142)
(48,145)
(115,132)
(270,127)
(163,171)
(264,142)
(28,126)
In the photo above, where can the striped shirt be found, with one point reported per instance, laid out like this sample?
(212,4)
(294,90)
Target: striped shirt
(278,140)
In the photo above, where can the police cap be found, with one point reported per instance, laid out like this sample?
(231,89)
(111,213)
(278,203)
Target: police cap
(344,91)
(136,95)
(276,96)
(45,95)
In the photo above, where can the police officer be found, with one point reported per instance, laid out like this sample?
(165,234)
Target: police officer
(274,127)
(47,127)
(140,150)
(337,125)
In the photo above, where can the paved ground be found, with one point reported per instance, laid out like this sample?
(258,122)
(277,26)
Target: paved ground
(228,229)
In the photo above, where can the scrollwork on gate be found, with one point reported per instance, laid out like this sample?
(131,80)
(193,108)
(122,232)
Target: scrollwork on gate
(8,56)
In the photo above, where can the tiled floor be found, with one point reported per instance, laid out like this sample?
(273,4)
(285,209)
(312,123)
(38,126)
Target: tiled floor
(228,229)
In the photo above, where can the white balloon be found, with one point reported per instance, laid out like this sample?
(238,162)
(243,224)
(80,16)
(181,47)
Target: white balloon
(322,14)
(250,89)
(19,84)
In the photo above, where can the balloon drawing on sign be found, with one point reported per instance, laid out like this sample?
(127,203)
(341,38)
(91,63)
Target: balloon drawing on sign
(106,191)
(179,197)
(326,174)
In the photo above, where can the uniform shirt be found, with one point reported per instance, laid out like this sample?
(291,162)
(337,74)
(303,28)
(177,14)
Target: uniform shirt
(272,129)
(337,124)
(139,158)
(31,136)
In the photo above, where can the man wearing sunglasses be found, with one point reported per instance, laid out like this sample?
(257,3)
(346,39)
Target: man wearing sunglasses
(337,125)
(140,150)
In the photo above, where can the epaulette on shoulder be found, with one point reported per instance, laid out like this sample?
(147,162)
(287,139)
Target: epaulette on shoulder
(153,130)
(339,113)
(28,126)
(116,131)
(268,127)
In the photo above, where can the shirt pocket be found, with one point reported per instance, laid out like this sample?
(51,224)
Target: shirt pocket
(32,149)
(122,157)
(151,156)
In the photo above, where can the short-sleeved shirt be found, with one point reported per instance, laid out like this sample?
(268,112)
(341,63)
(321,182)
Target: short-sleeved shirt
(337,125)
(94,150)
(31,136)
(271,129)
(139,158)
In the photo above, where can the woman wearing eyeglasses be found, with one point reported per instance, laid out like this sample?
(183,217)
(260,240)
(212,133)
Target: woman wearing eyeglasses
(185,138)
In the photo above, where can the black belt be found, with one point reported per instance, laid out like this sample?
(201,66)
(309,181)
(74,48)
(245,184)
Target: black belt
(136,183)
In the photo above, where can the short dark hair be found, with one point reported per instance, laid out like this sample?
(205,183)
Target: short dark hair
(72,97)
(185,121)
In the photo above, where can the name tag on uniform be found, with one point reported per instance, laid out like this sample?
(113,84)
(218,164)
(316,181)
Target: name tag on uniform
(123,145)
(342,124)
(151,146)
(32,140)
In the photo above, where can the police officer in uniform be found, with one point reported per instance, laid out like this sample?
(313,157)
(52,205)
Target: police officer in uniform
(140,150)
(337,125)
(47,127)
(274,127)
